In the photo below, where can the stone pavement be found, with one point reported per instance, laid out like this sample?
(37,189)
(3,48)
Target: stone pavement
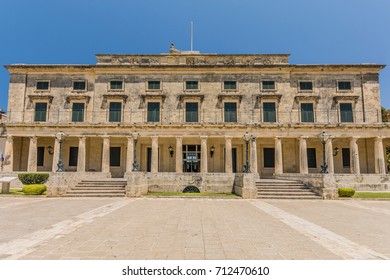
(178,228)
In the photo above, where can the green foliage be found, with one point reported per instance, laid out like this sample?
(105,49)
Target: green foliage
(346,192)
(33,178)
(36,189)
(385,117)
(388,158)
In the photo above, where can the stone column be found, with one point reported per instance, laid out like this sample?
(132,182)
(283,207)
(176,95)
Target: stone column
(253,161)
(278,156)
(329,155)
(380,166)
(303,166)
(154,165)
(81,155)
(179,154)
(204,152)
(130,154)
(354,150)
(106,154)
(8,165)
(56,154)
(228,155)
(32,155)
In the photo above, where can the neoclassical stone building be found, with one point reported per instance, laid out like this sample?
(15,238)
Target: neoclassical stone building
(190,112)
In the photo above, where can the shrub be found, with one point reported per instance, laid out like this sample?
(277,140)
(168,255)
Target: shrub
(33,178)
(346,192)
(34,189)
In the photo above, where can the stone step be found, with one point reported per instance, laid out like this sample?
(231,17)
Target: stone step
(96,191)
(98,188)
(285,193)
(103,183)
(282,187)
(92,195)
(290,197)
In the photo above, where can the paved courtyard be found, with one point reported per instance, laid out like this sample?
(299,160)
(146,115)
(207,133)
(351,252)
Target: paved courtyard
(146,228)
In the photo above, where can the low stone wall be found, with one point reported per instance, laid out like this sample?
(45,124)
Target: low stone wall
(245,186)
(363,182)
(60,182)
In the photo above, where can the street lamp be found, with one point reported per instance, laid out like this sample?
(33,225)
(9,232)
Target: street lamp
(60,137)
(324,166)
(246,138)
(135,164)
(170,151)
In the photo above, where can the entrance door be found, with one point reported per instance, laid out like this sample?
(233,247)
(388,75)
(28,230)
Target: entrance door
(149,160)
(191,158)
(234,160)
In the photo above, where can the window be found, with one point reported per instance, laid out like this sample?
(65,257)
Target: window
(346,114)
(307,113)
(115,156)
(230,111)
(305,86)
(229,85)
(344,85)
(73,156)
(42,85)
(191,112)
(40,156)
(78,112)
(346,157)
(269,157)
(115,112)
(154,85)
(269,112)
(311,158)
(79,85)
(192,85)
(116,85)
(153,112)
(40,112)
(268,85)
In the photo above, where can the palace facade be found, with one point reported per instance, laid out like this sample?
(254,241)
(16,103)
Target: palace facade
(190,112)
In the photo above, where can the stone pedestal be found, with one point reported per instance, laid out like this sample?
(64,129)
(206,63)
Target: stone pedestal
(137,184)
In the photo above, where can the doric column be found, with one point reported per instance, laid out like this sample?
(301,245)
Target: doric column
(106,154)
(380,166)
(81,155)
(179,154)
(303,166)
(354,150)
(56,155)
(130,154)
(32,155)
(203,149)
(9,154)
(154,165)
(329,155)
(228,155)
(253,163)
(278,156)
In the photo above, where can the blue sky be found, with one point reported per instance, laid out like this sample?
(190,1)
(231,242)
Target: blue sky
(312,31)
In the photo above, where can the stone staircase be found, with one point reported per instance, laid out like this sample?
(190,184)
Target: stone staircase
(283,189)
(98,188)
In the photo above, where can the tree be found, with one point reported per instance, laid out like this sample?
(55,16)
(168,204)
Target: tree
(385,117)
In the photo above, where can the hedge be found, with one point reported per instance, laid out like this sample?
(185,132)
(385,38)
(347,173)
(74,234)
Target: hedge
(34,189)
(33,178)
(346,192)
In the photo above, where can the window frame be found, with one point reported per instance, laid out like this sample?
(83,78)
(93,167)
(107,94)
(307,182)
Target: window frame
(120,112)
(268,157)
(72,156)
(310,159)
(229,89)
(313,112)
(268,89)
(346,159)
(198,111)
(42,81)
(83,112)
(147,111)
(224,111)
(344,81)
(192,90)
(119,163)
(79,81)
(305,90)
(147,83)
(46,111)
(116,89)
(352,112)
(40,156)
(263,111)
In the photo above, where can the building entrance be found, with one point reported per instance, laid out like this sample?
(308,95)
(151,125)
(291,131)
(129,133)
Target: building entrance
(191,158)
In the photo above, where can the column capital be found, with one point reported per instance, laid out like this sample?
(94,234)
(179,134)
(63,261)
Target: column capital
(204,137)
(379,138)
(228,137)
(303,137)
(179,137)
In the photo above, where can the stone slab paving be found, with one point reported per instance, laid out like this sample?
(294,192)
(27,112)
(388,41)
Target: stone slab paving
(150,228)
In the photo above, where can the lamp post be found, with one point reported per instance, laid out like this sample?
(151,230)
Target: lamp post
(246,138)
(60,137)
(324,166)
(135,164)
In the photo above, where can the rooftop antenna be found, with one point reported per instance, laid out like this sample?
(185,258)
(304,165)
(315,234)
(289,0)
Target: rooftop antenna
(191,32)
